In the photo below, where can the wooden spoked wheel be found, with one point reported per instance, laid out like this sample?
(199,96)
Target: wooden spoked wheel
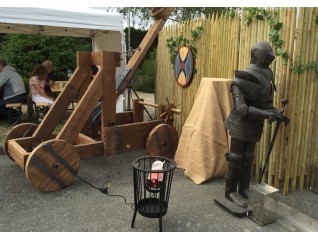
(162,141)
(19,131)
(169,110)
(52,165)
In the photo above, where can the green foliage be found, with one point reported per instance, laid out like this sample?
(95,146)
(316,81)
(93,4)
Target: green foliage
(146,74)
(299,68)
(262,14)
(230,13)
(25,51)
(275,27)
(174,44)
(179,14)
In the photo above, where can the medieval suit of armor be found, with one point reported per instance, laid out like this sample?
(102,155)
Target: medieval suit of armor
(252,92)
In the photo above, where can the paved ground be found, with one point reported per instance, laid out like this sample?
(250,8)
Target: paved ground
(82,208)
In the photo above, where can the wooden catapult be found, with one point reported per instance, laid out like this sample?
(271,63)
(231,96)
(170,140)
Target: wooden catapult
(52,161)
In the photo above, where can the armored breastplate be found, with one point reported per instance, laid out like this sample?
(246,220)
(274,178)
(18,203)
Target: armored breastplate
(256,85)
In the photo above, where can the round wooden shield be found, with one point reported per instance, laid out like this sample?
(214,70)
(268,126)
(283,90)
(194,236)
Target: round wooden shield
(184,66)
(52,165)
(19,131)
(162,141)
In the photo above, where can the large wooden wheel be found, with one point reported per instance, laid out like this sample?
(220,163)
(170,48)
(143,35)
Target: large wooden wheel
(19,131)
(162,141)
(52,165)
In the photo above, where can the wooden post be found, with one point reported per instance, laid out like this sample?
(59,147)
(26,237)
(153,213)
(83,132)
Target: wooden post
(63,101)
(109,61)
(140,54)
(80,115)
(138,111)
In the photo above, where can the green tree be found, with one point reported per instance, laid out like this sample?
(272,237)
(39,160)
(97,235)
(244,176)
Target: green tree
(146,74)
(144,16)
(25,51)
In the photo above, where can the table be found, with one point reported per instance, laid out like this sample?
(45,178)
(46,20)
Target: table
(58,86)
(204,139)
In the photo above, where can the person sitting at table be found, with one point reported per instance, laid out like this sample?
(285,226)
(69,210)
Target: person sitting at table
(37,83)
(13,90)
(49,81)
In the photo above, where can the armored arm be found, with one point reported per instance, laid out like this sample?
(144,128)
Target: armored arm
(242,109)
(240,105)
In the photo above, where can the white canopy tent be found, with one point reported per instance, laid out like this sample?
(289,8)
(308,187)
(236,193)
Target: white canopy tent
(104,28)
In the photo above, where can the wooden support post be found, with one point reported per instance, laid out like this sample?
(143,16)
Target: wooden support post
(109,62)
(140,54)
(80,115)
(56,112)
(110,141)
(138,111)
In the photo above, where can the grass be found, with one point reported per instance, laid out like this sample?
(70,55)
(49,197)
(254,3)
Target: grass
(5,127)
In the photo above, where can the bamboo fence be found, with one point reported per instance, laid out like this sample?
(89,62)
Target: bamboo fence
(225,47)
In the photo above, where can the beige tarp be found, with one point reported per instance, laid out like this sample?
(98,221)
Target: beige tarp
(204,139)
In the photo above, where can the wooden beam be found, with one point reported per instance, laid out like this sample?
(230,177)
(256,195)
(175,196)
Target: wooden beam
(109,61)
(138,110)
(80,115)
(57,110)
(55,114)
(18,153)
(134,136)
(84,139)
(96,58)
(90,150)
(124,118)
(139,55)
(110,140)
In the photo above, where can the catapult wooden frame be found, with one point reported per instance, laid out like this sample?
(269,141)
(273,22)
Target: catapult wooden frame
(52,161)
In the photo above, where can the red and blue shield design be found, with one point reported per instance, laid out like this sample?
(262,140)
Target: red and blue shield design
(183,66)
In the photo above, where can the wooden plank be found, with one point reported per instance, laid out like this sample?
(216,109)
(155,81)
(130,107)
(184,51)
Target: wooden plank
(124,117)
(18,153)
(55,113)
(108,106)
(110,140)
(80,115)
(90,150)
(83,70)
(96,58)
(28,143)
(133,137)
(138,111)
(83,139)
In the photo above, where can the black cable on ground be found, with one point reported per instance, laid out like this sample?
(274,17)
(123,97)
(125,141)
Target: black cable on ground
(105,190)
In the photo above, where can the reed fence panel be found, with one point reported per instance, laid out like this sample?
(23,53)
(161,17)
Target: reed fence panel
(225,47)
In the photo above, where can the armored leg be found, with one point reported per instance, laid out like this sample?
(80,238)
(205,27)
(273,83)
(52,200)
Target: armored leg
(232,178)
(245,177)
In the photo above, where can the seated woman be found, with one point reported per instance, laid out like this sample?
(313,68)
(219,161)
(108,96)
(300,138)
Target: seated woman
(37,83)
